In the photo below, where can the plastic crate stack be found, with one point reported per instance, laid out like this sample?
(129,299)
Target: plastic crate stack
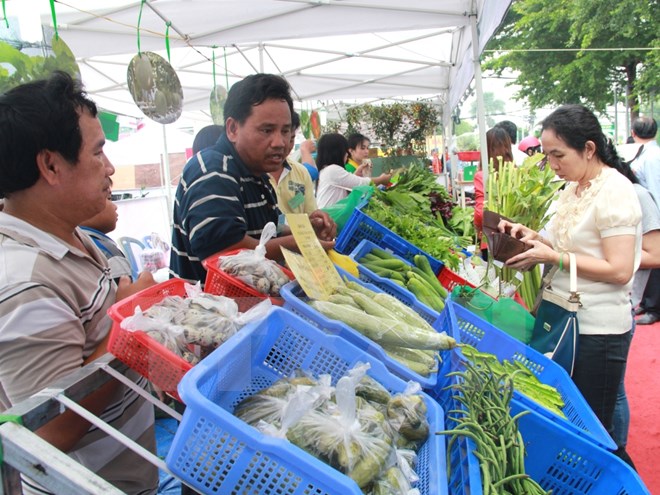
(569,455)
(216,452)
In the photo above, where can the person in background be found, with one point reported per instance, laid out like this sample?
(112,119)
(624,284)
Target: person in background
(598,218)
(55,285)
(650,260)
(207,136)
(225,198)
(292,182)
(530,145)
(498,145)
(358,162)
(436,162)
(97,227)
(647,169)
(335,182)
(512,130)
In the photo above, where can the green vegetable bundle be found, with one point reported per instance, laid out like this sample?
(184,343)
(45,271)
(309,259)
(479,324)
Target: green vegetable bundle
(407,208)
(418,279)
(523,194)
(357,426)
(485,392)
(404,335)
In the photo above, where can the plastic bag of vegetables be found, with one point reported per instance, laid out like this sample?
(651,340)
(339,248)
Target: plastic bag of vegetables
(252,267)
(191,327)
(350,434)
(159,326)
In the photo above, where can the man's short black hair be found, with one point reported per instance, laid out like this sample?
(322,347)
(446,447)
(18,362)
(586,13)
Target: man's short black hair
(36,116)
(295,121)
(511,128)
(645,127)
(253,91)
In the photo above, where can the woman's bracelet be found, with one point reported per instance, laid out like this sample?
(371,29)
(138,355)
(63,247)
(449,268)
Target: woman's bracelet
(561,261)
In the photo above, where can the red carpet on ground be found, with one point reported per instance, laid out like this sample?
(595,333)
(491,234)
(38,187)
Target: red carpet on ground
(643,390)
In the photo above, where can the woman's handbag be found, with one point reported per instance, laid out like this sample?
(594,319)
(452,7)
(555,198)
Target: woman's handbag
(556,328)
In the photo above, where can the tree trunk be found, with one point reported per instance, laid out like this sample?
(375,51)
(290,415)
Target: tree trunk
(633,100)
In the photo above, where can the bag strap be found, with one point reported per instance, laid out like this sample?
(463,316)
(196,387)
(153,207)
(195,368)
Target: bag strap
(572,278)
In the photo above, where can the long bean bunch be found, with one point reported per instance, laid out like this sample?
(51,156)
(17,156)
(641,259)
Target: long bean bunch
(486,418)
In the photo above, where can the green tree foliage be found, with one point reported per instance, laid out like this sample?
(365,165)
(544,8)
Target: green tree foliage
(400,127)
(611,28)
(492,107)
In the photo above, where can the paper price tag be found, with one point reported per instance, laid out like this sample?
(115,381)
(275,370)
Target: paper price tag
(312,268)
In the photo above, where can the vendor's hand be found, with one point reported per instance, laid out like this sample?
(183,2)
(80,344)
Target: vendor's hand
(324,226)
(539,253)
(327,245)
(126,288)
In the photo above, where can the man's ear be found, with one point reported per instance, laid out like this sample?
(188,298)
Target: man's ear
(48,165)
(231,129)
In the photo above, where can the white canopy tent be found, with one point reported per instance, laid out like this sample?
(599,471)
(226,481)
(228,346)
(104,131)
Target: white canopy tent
(327,49)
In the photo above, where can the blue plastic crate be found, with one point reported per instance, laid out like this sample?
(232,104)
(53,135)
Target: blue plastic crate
(570,464)
(295,301)
(215,452)
(467,328)
(386,285)
(558,459)
(362,226)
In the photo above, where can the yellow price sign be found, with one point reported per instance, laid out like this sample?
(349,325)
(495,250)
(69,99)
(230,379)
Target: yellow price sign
(313,269)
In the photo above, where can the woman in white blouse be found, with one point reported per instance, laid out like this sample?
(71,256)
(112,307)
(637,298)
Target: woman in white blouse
(335,182)
(598,219)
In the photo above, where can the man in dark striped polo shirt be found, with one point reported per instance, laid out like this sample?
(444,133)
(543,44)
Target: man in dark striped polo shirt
(225,198)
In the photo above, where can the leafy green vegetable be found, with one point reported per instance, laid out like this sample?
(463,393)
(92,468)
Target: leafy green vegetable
(407,209)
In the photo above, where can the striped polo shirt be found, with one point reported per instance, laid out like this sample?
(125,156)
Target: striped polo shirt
(218,201)
(53,314)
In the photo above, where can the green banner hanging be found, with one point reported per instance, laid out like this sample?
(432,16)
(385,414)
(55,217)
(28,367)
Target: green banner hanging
(109,125)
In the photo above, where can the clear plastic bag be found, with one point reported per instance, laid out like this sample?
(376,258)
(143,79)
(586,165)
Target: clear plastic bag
(252,267)
(194,326)
(156,255)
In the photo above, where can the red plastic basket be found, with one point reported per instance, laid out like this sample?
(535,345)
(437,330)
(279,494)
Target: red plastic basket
(140,352)
(221,283)
(469,156)
(449,279)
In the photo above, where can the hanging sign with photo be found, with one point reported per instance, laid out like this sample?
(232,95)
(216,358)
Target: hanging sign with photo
(155,87)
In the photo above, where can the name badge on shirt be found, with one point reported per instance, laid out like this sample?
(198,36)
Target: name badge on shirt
(296,201)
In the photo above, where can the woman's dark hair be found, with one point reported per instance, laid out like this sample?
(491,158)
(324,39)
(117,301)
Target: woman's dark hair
(253,91)
(207,136)
(498,143)
(510,128)
(331,150)
(355,140)
(37,116)
(575,125)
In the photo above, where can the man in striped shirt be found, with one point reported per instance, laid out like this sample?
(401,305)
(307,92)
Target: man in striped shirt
(225,198)
(55,284)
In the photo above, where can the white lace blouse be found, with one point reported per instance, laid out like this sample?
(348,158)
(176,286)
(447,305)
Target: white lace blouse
(608,207)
